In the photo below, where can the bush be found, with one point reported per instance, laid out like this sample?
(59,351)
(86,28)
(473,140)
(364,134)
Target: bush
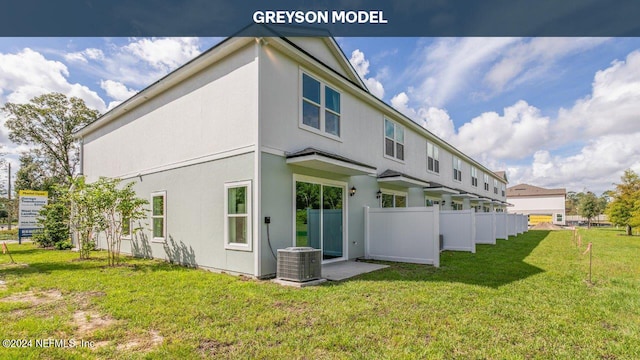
(64,245)
(54,217)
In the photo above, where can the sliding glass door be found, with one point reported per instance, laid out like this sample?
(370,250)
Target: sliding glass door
(319,218)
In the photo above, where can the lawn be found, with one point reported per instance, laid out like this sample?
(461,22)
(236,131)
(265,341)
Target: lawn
(526,297)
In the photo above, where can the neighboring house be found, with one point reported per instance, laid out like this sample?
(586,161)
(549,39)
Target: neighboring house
(264,143)
(542,205)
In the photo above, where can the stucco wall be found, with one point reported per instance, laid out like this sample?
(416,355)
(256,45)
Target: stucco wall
(194,215)
(362,126)
(211,113)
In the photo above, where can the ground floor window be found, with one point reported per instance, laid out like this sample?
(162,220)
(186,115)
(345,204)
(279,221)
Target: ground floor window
(238,215)
(393,199)
(558,217)
(430,202)
(159,215)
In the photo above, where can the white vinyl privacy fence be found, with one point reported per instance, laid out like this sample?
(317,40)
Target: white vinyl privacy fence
(458,228)
(520,229)
(501,226)
(511,221)
(403,234)
(486,228)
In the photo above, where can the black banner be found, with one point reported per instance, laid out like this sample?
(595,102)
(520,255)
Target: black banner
(341,18)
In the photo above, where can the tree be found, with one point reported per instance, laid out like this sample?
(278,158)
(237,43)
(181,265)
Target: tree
(571,203)
(625,203)
(103,207)
(589,207)
(47,123)
(32,175)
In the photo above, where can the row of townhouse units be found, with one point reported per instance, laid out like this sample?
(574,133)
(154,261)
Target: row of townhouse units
(264,143)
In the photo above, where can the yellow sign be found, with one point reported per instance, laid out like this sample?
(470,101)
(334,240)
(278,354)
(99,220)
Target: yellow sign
(32,193)
(537,219)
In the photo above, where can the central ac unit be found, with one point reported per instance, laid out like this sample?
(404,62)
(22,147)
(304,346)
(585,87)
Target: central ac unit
(299,264)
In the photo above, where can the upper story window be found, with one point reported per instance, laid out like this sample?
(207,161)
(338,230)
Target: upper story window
(503,187)
(320,106)
(495,186)
(457,169)
(474,176)
(433,164)
(486,182)
(393,139)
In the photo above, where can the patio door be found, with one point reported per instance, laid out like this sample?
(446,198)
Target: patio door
(319,217)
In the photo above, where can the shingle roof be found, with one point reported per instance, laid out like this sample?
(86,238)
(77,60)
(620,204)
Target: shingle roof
(312,151)
(393,173)
(530,190)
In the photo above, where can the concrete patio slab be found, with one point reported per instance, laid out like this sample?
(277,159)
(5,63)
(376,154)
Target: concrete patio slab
(299,284)
(342,270)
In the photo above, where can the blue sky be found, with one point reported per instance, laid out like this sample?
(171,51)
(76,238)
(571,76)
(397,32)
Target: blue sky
(555,112)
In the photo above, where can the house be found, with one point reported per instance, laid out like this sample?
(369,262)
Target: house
(264,143)
(542,205)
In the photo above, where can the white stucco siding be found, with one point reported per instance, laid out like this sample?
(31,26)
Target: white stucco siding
(213,112)
(537,203)
(318,49)
(361,130)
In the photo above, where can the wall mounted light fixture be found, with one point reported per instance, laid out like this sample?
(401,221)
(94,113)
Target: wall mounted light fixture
(379,194)
(352,191)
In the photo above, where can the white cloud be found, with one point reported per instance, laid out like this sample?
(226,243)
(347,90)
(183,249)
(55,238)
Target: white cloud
(138,63)
(446,65)
(361,65)
(164,54)
(612,107)
(526,60)
(117,91)
(598,165)
(28,73)
(83,56)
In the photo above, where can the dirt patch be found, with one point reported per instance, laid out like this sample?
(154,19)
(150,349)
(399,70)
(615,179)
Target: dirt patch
(83,299)
(34,298)
(13,266)
(147,341)
(214,347)
(90,321)
(547,226)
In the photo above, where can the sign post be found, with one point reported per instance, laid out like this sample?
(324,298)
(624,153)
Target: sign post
(31,202)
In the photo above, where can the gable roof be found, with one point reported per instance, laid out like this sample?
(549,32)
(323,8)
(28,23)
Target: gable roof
(524,190)
(502,175)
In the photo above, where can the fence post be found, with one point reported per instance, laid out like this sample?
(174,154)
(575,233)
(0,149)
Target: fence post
(366,232)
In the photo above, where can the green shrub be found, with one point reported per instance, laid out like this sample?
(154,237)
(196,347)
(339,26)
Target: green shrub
(54,217)
(64,245)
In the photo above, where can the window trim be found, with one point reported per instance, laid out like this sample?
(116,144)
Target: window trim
(129,235)
(323,108)
(474,179)
(248,214)
(394,193)
(457,171)
(436,157)
(164,216)
(395,142)
(486,179)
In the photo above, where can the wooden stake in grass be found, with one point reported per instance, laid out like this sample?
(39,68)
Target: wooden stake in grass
(579,240)
(590,260)
(5,250)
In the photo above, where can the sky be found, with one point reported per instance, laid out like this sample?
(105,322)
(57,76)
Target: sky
(552,112)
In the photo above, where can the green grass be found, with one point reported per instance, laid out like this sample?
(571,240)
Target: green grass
(526,297)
